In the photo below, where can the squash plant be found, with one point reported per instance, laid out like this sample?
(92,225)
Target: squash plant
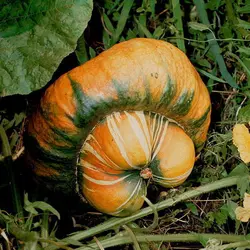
(137,111)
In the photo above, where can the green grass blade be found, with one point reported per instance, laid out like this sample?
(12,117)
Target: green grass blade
(127,5)
(215,49)
(179,25)
(8,162)
(143,29)
(108,23)
(143,23)
(81,50)
(241,62)
(152,7)
(45,228)
(215,78)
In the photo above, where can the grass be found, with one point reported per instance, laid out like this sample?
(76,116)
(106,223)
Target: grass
(211,34)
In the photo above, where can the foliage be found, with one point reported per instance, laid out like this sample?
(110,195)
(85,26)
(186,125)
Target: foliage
(35,37)
(222,25)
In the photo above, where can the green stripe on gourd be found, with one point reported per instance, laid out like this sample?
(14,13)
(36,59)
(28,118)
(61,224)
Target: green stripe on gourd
(183,103)
(168,93)
(197,123)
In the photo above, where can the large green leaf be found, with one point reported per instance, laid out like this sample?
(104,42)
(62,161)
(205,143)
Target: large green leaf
(34,38)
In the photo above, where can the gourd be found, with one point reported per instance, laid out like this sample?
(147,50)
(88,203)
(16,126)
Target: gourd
(135,113)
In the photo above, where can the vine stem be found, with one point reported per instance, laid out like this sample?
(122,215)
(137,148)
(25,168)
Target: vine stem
(245,243)
(116,222)
(123,239)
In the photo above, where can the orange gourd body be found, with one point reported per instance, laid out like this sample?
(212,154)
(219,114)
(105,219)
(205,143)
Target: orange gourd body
(138,110)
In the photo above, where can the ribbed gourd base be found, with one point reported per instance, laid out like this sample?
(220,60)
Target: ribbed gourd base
(128,148)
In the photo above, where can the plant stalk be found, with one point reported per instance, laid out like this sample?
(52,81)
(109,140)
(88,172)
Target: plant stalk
(8,161)
(124,239)
(115,222)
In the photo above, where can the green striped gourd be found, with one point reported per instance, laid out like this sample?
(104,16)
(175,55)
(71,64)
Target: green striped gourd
(137,112)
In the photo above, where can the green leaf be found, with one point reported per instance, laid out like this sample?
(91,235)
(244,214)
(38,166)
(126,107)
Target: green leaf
(192,207)
(73,242)
(143,29)
(32,206)
(28,205)
(92,53)
(244,114)
(221,215)
(158,32)
(231,206)
(240,170)
(198,26)
(108,23)
(14,139)
(213,4)
(244,50)
(204,63)
(81,50)
(213,77)
(177,13)
(243,24)
(202,239)
(45,207)
(152,7)
(244,9)
(19,118)
(226,30)
(36,36)
(243,185)
(243,182)
(21,16)
(130,34)
(143,21)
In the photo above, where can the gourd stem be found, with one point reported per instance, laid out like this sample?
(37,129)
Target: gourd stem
(115,222)
(146,173)
(123,239)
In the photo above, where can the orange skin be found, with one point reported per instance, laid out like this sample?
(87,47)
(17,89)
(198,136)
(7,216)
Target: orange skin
(95,78)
